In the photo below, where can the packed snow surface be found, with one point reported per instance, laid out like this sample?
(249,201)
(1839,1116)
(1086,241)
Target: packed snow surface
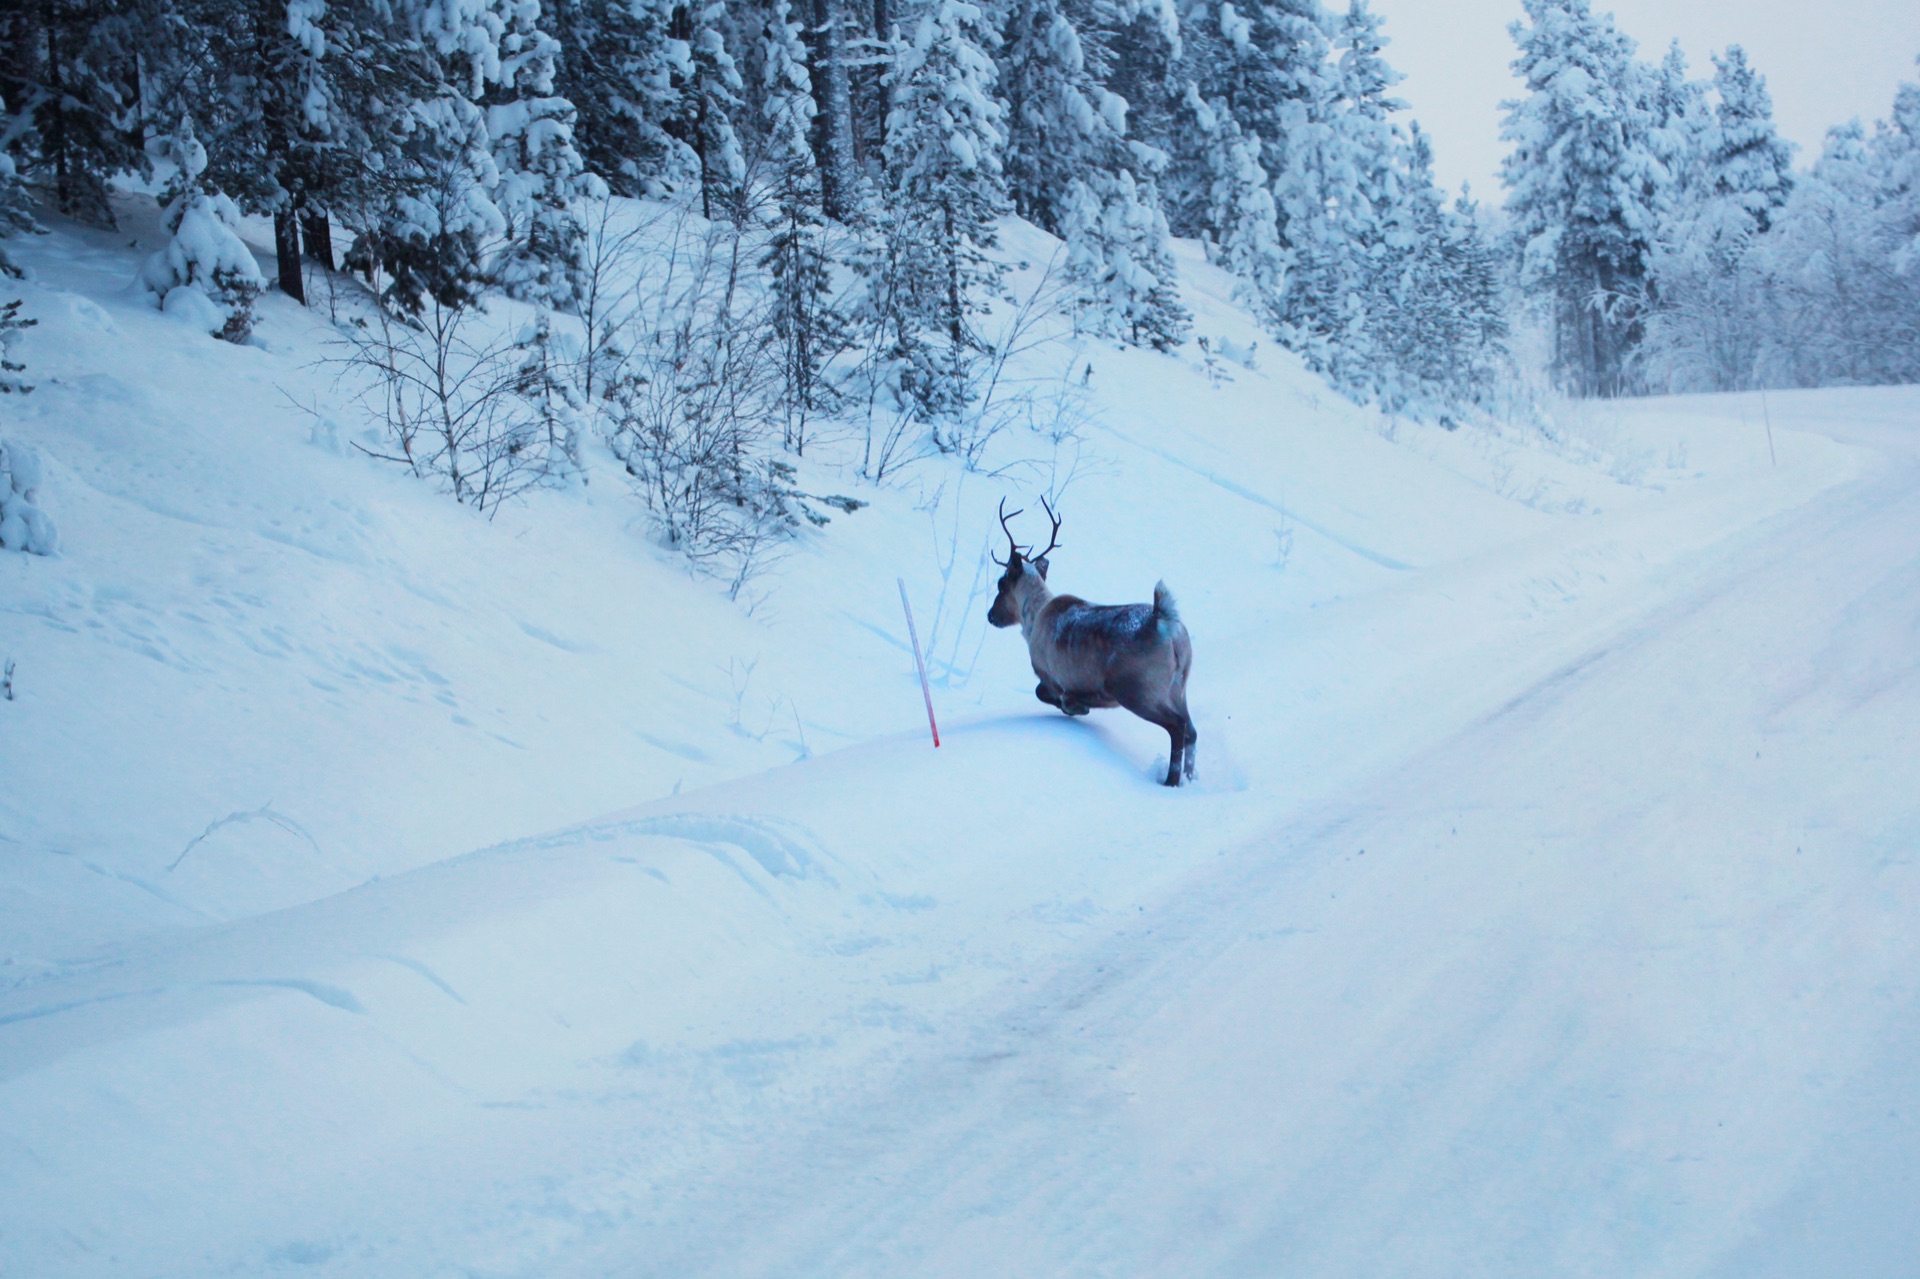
(1545,905)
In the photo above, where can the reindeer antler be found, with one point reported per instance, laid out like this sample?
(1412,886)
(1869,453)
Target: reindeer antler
(1053,540)
(1013,547)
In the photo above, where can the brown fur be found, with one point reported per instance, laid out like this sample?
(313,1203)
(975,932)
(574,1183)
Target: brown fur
(1093,656)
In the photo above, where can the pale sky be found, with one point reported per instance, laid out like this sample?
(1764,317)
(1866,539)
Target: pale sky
(1825,62)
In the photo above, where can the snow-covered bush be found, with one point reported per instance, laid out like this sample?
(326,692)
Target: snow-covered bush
(206,275)
(23,525)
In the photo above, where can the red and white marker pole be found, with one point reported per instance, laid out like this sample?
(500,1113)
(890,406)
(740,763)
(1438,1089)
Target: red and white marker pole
(918,664)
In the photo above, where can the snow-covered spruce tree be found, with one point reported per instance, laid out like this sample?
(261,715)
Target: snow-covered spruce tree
(555,405)
(433,229)
(437,228)
(1134,51)
(1341,194)
(23,525)
(16,206)
(620,69)
(480,171)
(541,172)
(945,190)
(288,97)
(1679,122)
(1236,208)
(1069,169)
(1842,260)
(206,274)
(1120,260)
(72,68)
(1584,187)
(1436,326)
(1706,327)
(11,328)
(796,260)
(1745,161)
(1058,120)
(709,100)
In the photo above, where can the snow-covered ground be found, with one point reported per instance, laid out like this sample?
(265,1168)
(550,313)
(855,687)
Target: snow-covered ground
(1543,908)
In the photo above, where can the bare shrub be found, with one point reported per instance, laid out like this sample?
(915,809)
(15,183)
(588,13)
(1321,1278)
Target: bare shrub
(447,391)
(694,412)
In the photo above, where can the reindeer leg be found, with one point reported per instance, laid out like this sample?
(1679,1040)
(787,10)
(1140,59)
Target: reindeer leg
(1177,739)
(1193,738)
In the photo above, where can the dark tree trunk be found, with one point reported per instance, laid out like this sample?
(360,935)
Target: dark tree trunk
(286,250)
(56,128)
(882,22)
(319,236)
(832,124)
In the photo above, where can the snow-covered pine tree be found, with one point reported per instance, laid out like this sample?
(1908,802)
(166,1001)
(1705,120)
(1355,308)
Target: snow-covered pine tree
(16,206)
(1436,326)
(709,100)
(945,191)
(1841,261)
(1120,260)
(206,274)
(74,68)
(1680,120)
(618,67)
(434,229)
(280,91)
(1340,199)
(1745,159)
(1070,170)
(1238,216)
(1706,328)
(1579,179)
(540,170)
(796,261)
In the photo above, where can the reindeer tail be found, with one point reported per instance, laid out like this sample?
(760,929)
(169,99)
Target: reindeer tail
(1164,611)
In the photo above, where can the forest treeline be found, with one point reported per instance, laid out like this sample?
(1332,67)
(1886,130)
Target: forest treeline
(861,154)
(445,147)
(1678,248)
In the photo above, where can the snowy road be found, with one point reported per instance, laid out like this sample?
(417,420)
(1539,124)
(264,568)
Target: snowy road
(1624,979)
(1607,971)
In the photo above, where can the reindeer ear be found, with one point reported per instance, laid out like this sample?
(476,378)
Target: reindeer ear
(1040,565)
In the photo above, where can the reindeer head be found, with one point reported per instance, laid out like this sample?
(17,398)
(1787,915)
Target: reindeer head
(1025,572)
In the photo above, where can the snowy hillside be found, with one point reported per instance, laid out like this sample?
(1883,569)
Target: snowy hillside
(264,1008)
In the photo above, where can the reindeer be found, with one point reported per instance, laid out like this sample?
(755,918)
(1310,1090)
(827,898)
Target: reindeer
(1099,655)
